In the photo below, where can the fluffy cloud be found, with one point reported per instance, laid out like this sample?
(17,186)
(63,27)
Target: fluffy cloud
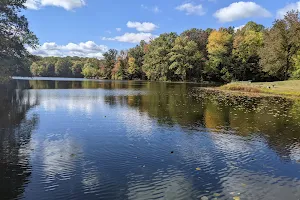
(191,9)
(87,49)
(143,27)
(132,37)
(293,6)
(241,10)
(66,4)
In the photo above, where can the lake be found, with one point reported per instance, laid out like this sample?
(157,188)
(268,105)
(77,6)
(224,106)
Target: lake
(80,139)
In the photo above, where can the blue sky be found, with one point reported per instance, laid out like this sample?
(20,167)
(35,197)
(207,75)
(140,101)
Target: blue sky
(90,27)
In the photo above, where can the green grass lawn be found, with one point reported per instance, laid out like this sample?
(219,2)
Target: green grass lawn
(288,88)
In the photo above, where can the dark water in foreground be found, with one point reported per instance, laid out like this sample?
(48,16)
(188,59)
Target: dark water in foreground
(113,140)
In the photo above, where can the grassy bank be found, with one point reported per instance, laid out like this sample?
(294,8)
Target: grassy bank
(282,88)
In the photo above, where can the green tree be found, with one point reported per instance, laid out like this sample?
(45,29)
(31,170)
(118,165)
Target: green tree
(63,67)
(156,60)
(37,69)
(50,69)
(296,60)
(110,60)
(14,35)
(93,61)
(200,37)
(281,43)
(246,46)
(183,57)
(89,71)
(77,69)
(137,54)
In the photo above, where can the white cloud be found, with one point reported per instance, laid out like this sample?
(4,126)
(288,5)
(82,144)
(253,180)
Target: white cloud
(191,9)
(293,6)
(118,29)
(87,49)
(154,9)
(137,124)
(57,156)
(238,28)
(144,27)
(66,4)
(132,37)
(241,10)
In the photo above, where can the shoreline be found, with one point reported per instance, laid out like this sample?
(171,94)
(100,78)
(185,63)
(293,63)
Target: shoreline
(92,79)
(287,89)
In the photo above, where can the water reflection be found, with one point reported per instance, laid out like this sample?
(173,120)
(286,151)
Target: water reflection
(113,140)
(58,152)
(170,184)
(136,122)
(275,119)
(16,128)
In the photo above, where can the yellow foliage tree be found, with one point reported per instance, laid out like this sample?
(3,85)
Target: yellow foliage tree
(219,50)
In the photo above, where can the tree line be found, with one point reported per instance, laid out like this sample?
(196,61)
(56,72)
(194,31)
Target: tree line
(251,53)
(66,67)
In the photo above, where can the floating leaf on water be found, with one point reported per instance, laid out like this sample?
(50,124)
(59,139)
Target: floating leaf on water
(204,198)
(198,169)
(244,185)
(236,198)
(216,194)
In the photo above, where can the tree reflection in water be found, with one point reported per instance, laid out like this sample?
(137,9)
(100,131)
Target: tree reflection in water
(15,135)
(235,141)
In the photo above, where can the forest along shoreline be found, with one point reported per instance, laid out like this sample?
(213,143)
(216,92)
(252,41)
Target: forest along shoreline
(253,52)
(223,55)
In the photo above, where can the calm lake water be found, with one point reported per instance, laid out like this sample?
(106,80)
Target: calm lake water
(71,139)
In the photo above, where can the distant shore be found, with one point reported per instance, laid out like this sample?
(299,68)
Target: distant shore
(204,83)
